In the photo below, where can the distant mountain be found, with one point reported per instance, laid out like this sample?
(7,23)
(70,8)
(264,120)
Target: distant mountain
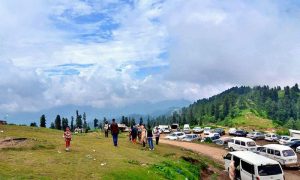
(142,109)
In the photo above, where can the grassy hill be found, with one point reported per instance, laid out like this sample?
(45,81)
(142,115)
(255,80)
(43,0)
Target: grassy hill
(42,156)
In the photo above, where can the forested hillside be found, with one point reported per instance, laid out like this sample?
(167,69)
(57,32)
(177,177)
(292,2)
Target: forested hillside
(282,106)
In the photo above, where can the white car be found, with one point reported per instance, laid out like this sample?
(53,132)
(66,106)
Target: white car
(232,131)
(287,140)
(197,130)
(191,137)
(271,137)
(175,136)
(298,149)
(207,130)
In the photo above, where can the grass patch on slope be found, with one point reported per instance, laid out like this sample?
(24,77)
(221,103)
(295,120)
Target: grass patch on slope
(92,157)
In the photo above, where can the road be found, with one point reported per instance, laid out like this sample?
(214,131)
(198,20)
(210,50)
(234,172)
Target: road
(217,153)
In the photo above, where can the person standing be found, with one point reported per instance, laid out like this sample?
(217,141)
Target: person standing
(156,135)
(115,132)
(150,138)
(134,133)
(144,136)
(106,126)
(68,138)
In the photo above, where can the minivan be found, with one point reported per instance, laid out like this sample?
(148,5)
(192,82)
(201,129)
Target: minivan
(249,166)
(206,130)
(283,154)
(186,129)
(241,144)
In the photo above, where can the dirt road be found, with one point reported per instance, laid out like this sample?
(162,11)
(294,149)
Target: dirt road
(217,154)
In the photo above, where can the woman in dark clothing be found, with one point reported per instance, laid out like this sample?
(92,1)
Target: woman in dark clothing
(150,139)
(134,133)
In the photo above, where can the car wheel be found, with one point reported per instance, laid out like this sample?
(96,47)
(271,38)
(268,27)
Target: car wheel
(231,149)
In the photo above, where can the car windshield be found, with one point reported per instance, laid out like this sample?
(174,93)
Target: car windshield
(189,137)
(285,138)
(251,144)
(268,170)
(268,135)
(287,153)
(206,128)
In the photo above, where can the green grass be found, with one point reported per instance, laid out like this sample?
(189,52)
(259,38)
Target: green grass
(92,157)
(249,120)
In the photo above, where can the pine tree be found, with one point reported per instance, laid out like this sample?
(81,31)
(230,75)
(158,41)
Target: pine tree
(96,123)
(58,122)
(43,121)
(84,121)
(33,124)
(65,123)
(72,123)
(78,120)
(141,121)
(52,126)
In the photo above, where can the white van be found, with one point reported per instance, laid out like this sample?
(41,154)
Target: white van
(249,166)
(241,144)
(186,129)
(283,154)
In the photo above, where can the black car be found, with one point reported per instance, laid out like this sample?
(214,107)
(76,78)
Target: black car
(293,144)
(240,133)
(220,131)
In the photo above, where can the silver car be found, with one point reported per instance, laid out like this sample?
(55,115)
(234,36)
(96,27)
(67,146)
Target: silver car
(191,137)
(256,135)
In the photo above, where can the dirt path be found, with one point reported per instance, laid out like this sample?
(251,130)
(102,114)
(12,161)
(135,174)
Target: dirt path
(217,154)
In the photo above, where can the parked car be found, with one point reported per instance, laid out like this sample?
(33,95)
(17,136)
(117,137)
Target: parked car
(175,136)
(242,144)
(293,144)
(175,127)
(222,142)
(256,135)
(206,130)
(252,166)
(186,129)
(220,131)
(298,149)
(283,137)
(283,154)
(232,131)
(211,137)
(240,133)
(272,137)
(191,137)
(287,140)
(164,128)
(197,129)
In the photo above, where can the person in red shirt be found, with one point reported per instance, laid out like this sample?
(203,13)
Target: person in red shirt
(68,138)
(114,131)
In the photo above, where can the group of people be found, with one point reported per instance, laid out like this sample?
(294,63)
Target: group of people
(137,133)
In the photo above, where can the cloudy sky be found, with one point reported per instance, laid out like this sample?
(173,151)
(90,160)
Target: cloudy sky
(115,53)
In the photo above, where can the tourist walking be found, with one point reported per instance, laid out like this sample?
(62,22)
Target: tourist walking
(156,135)
(150,138)
(144,136)
(115,132)
(106,127)
(68,138)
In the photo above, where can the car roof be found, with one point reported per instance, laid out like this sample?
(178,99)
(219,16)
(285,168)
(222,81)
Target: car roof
(242,139)
(277,146)
(254,158)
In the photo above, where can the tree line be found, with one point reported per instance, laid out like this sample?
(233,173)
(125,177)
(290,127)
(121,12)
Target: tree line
(280,105)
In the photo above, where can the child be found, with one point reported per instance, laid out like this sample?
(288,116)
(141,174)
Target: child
(68,137)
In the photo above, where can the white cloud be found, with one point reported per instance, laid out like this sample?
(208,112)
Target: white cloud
(211,45)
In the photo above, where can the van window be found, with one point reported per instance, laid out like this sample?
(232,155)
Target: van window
(261,149)
(277,153)
(270,151)
(243,143)
(237,142)
(252,143)
(247,167)
(268,170)
(287,153)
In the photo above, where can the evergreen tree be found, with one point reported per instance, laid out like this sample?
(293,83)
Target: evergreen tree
(141,121)
(52,126)
(33,124)
(65,123)
(43,121)
(85,126)
(96,123)
(72,123)
(58,122)
(78,120)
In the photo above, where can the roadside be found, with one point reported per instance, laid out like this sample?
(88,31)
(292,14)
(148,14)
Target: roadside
(217,154)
